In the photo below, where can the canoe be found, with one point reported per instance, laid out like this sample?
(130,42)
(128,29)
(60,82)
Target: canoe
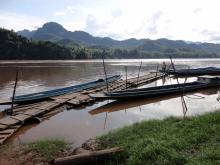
(60,91)
(115,106)
(201,83)
(193,72)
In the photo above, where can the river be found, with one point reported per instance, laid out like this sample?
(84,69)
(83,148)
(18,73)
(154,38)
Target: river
(78,125)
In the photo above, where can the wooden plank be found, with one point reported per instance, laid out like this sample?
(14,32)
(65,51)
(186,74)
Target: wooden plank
(73,102)
(83,97)
(32,112)
(90,157)
(3,126)
(48,105)
(8,121)
(60,101)
(21,117)
(7,131)
(3,139)
(52,113)
(4,136)
(66,96)
(17,109)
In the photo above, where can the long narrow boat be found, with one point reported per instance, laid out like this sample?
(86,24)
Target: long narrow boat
(196,71)
(201,83)
(56,92)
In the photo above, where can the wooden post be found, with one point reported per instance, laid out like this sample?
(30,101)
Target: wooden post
(13,96)
(91,157)
(182,96)
(139,73)
(157,69)
(103,62)
(126,76)
(106,116)
(185,109)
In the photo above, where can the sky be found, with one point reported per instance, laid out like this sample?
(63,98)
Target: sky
(189,20)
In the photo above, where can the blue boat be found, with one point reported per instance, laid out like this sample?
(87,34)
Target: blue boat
(34,97)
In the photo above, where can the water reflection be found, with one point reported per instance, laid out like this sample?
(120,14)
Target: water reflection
(115,106)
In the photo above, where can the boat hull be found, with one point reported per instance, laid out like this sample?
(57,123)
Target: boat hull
(34,97)
(155,91)
(195,72)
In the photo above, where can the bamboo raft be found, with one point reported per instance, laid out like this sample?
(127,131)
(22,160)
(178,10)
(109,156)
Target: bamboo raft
(9,124)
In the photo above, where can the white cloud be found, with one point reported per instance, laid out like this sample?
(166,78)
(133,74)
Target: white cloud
(19,22)
(116,13)
(60,13)
(124,19)
(74,25)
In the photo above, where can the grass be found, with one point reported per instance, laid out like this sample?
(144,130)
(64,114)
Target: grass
(195,140)
(6,149)
(48,149)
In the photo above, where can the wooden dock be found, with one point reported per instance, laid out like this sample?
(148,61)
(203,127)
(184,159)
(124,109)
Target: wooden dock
(9,124)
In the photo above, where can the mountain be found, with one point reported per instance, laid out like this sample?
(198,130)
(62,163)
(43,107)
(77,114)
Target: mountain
(17,47)
(55,32)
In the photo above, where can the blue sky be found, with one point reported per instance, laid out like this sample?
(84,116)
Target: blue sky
(191,20)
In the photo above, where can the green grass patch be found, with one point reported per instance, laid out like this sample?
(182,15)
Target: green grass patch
(6,149)
(194,140)
(48,149)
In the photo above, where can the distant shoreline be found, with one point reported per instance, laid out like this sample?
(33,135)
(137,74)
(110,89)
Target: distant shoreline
(110,59)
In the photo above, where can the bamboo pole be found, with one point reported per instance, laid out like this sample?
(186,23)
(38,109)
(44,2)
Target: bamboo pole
(139,73)
(157,68)
(103,63)
(182,96)
(126,76)
(14,91)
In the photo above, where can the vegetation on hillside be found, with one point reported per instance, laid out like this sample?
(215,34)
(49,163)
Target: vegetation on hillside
(195,140)
(90,46)
(15,47)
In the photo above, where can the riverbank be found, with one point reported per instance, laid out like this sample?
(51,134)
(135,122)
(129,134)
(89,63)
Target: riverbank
(194,140)
(38,152)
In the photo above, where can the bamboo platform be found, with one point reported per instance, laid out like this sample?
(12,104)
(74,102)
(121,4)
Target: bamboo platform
(9,124)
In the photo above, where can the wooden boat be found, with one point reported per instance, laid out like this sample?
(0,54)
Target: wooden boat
(56,92)
(115,106)
(193,72)
(201,83)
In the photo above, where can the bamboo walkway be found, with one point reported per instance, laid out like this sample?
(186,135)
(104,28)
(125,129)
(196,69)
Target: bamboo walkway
(44,109)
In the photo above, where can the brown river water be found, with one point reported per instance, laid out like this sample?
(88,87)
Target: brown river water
(78,125)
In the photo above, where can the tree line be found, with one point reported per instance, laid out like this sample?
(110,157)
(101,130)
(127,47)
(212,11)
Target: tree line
(16,47)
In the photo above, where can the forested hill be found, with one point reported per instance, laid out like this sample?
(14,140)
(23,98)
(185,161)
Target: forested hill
(16,47)
(87,46)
